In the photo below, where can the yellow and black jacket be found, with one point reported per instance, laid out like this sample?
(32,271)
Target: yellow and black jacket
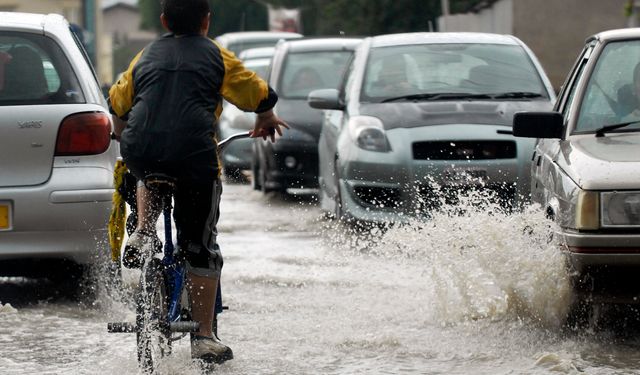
(171,97)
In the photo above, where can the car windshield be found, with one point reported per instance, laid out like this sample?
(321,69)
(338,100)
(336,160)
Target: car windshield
(612,94)
(33,70)
(483,71)
(308,71)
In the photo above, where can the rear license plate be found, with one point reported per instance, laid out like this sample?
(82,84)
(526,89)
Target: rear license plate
(5,216)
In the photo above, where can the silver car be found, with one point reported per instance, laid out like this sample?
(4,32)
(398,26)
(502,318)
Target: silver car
(239,41)
(424,116)
(586,169)
(237,156)
(56,154)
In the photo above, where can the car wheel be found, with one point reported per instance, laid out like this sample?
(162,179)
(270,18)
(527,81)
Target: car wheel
(255,169)
(262,176)
(338,212)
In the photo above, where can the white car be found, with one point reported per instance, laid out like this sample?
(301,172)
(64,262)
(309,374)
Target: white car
(56,153)
(233,120)
(586,166)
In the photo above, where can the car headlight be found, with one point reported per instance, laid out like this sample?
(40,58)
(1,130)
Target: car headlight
(588,210)
(621,209)
(368,133)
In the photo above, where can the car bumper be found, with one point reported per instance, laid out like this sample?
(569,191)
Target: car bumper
(395,186)
(294,165)
(66,217)
(587,251)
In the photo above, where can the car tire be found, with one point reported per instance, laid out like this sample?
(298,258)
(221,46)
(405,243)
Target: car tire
(255,169)
(338,212)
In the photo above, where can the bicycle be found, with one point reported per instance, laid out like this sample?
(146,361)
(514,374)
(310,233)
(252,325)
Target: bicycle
(162,307)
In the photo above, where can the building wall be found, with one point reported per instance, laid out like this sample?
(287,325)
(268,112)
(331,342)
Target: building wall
(123,23)
(497,19)
(556,30)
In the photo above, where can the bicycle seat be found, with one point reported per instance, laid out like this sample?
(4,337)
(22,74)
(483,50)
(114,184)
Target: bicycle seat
(159,181)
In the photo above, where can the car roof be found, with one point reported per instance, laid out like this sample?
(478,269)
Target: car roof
(31,21)
(243,36)
(441,38)
(616,34)
(256,53)
(320,44)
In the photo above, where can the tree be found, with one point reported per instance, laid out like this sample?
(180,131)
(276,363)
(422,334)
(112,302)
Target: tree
(322,17)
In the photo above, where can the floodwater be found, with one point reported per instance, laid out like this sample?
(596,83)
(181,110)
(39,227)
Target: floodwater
(474,293)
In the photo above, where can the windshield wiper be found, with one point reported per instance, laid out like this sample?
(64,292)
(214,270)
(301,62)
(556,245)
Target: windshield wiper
(516,95)
(437,96)
(607,128)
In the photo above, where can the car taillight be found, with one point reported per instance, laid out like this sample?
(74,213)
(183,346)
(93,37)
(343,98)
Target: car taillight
(84,134)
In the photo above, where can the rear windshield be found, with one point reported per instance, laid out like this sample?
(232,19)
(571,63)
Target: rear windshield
(308,71)
(474,69)
(241,46)
(260,66)
(34,70)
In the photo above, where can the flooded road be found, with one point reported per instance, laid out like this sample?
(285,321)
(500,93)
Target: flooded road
(479,293)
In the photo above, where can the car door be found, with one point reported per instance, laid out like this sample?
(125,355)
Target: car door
(544,168)
(332,124)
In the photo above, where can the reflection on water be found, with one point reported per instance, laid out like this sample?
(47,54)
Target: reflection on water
(471,291)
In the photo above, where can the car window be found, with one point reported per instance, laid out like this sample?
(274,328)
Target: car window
(308,71)
(611,95)
(449,68)
(34,70)
(572,83)
(260,66)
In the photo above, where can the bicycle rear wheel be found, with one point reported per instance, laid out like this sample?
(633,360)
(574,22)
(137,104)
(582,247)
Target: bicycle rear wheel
(153,333)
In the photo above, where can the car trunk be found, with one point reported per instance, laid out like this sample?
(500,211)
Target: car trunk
(28,135)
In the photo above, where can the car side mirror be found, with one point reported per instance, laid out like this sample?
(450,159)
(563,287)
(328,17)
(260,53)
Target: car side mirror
(325,99)
(538,125)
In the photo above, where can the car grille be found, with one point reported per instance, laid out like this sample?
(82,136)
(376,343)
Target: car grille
(464,150)
(380,197)
(433,198)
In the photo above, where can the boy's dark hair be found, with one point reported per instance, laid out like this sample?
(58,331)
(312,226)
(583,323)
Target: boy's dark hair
(185,16)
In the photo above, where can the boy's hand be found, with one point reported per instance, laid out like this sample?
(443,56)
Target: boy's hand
(267,124)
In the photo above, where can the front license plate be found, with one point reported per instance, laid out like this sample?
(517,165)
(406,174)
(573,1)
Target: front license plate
(465,175)
(5,216)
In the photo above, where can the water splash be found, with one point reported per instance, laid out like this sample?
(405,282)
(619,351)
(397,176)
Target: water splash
(480,260)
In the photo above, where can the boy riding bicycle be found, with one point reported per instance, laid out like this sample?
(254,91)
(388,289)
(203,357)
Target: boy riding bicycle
(164,109)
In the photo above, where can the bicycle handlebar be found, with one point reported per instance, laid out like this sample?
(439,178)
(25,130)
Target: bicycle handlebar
(225,142)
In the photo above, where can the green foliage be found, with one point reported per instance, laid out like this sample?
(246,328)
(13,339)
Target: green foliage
(322,17)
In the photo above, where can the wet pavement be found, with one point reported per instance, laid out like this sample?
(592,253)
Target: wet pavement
(465,294)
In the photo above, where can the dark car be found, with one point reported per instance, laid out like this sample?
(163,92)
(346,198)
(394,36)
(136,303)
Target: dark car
(299,67)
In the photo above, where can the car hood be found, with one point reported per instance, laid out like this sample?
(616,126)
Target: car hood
(415,114)
(611,162)
(300,116)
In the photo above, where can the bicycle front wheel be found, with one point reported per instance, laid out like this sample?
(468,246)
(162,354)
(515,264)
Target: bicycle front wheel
(153,333)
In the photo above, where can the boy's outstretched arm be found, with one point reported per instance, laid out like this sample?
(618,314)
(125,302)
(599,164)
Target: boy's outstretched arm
(267,124)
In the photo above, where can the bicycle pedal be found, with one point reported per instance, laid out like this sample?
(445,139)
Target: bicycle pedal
(184,326)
